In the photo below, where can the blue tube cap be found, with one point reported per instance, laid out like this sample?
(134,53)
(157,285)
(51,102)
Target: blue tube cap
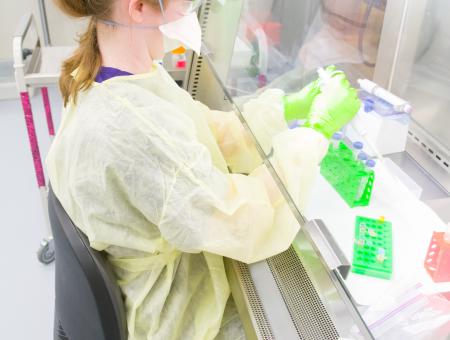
(338,135)
(294,124)
(368,105)
(362,156)
(358,145)
(370,163)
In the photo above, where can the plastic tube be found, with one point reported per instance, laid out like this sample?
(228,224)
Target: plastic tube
(324,76)
(399,104)
(336,139)
(447,234)
(357,148)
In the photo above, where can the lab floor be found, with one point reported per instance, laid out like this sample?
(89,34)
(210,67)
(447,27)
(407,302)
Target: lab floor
(26,285)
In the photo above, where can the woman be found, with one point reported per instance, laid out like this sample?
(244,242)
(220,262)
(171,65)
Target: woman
(141,169)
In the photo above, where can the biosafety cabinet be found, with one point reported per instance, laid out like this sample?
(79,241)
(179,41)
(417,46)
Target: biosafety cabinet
(356,270)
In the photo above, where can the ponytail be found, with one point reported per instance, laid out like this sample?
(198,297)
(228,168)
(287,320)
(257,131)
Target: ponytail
(86,61)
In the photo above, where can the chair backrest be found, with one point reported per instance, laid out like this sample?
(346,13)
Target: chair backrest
(88,302)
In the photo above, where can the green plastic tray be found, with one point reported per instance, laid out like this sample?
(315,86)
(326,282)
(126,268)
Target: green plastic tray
(348,176)
(371,235)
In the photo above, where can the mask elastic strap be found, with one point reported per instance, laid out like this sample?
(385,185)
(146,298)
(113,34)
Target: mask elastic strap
(161,6)
(117,24)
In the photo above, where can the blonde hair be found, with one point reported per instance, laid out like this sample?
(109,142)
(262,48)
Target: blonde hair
(86,59)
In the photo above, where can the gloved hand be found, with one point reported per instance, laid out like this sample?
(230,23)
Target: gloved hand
(335,106)
(297,105)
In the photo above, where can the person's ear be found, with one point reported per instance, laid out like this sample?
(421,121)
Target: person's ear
(136,10)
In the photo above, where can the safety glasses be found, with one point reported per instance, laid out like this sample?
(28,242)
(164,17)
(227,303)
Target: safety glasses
(190,6)
(183,7)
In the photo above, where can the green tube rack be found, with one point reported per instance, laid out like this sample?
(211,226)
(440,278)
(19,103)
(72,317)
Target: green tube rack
(372,250)
(347,175)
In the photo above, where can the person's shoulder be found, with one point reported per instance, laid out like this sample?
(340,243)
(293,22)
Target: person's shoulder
(128,111)
(113,115)
(113,103)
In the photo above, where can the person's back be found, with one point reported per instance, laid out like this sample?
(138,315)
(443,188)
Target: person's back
(92,163)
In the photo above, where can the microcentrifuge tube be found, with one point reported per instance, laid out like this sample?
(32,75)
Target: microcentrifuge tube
(381,255)
(357,148)
(447,234)
(362,187)
(336,139)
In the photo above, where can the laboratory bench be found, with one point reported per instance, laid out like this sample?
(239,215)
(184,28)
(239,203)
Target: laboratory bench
(312,290)
(309,291)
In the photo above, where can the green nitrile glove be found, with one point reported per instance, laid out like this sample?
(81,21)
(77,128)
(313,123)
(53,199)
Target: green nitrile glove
(335,106)
(298,105)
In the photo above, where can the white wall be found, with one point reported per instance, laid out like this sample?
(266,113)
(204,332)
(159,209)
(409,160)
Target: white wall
(63,30)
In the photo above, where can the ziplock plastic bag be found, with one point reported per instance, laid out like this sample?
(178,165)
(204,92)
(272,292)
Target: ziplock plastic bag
(406,313)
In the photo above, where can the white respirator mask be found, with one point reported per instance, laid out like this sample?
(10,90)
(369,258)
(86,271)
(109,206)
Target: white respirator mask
(183,32)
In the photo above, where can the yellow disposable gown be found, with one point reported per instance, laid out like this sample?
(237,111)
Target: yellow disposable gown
(139,166)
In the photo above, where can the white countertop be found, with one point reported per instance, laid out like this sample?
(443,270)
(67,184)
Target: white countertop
(413,223)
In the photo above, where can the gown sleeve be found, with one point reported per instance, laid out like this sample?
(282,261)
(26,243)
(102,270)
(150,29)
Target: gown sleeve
(165,173)
(265,117)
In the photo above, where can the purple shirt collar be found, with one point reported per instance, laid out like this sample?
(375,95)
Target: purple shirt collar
(106,73)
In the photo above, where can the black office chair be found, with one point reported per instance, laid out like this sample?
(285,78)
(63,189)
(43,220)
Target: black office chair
(88,302)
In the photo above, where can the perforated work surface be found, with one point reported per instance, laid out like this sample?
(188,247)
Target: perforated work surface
(307,311)
(255,303)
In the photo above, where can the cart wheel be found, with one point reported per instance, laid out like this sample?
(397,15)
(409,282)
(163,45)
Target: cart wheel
(46,252)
